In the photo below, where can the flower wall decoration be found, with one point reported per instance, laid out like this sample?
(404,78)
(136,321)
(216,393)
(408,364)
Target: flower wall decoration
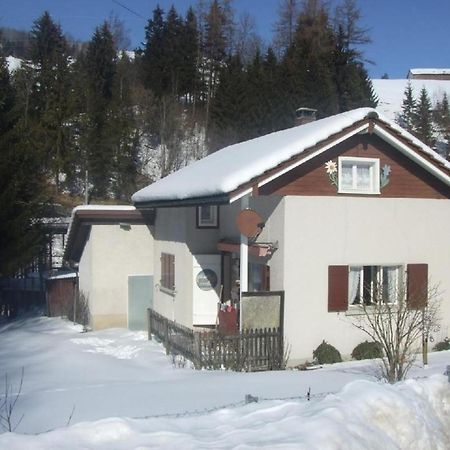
(331,168)
(384,175)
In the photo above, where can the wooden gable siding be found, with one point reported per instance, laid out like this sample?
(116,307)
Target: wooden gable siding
(407,178)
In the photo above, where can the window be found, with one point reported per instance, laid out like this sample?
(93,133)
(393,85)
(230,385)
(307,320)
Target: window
(207,216)
(359,175)
(167,272)
(373,284)
(349,286)
(258,277)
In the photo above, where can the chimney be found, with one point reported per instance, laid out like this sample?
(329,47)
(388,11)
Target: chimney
(305,115)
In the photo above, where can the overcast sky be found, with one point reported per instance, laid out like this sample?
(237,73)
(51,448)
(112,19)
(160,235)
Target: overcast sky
(405,33)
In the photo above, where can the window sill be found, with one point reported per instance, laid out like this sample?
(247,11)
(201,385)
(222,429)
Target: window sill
(168,291)
(347,191)
(357,310)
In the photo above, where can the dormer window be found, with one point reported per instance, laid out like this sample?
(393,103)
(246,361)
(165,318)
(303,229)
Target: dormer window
(359,175)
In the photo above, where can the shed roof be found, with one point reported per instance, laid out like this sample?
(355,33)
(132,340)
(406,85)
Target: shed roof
(84,216)
(219,176)
(431,71)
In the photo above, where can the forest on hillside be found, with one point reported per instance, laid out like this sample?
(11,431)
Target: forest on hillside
(90,120)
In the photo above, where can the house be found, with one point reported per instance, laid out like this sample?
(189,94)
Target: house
(112,249)
(335,205)
(429,74)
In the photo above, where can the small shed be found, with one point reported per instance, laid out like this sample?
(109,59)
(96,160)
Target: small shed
(60,290)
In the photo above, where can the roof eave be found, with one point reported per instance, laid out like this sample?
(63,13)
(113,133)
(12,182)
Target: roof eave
(220,199)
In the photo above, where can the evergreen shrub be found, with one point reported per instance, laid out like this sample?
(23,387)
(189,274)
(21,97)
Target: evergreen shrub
(367,350)
(443,345)
(326,354)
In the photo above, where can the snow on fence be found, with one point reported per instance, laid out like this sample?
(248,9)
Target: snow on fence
(250,350)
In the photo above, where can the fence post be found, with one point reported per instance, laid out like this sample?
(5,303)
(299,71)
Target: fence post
(149,324)
(166,336)
(197,351)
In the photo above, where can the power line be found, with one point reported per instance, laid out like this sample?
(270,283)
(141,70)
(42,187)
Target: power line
(128,9)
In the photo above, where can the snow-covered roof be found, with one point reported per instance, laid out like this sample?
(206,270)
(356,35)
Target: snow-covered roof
(391,93)
(429,71)
(228,169)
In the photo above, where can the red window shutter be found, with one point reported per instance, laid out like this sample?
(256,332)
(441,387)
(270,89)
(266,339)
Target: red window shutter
(337,288)
(417,286)
(172,271)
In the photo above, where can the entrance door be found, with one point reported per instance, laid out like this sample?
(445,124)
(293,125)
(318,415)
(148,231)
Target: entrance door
(206,289)
(140,297)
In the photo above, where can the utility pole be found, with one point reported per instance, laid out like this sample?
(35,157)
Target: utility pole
(86,188)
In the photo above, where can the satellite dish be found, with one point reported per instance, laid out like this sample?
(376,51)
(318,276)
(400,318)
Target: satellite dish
(249,223)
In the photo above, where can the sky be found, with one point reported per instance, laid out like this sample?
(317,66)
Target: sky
(405,33)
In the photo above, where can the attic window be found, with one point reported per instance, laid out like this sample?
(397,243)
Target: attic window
(359,175)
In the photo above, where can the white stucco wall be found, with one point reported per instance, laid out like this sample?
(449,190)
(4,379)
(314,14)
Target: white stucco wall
(323,231)
(112,254)
(85,275)
(170,237)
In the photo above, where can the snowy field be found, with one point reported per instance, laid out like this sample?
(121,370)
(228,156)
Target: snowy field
(113,389)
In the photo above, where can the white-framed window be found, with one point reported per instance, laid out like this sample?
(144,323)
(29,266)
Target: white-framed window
(373,284)
(359,175)
(207,216)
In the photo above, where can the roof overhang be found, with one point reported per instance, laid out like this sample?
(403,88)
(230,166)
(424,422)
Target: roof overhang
(221,199)
(408,151)
(83,219)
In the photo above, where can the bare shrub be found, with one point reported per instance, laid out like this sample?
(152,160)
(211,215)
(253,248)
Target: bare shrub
(8,402)
(401,326)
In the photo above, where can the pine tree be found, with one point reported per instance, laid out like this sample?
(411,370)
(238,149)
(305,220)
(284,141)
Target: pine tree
(442,116)
(101,67)
(125,132)
(286,25)
(189,84)
(50,100)
(248,43)
(423,125)
(309,62)
(154,71)
(278,115)
(228,106)
(407,117)
(22,195)
(353,86)
(215,50)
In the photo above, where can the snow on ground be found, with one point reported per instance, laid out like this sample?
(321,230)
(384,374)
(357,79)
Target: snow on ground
(120,391)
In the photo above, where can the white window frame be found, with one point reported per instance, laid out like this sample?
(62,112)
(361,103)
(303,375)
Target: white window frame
(374,165)
(214,214)
(376,280)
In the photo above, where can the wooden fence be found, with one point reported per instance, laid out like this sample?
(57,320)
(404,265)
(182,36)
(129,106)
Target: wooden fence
(249,350)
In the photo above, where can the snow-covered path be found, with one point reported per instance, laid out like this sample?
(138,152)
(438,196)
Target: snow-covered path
(118,376)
